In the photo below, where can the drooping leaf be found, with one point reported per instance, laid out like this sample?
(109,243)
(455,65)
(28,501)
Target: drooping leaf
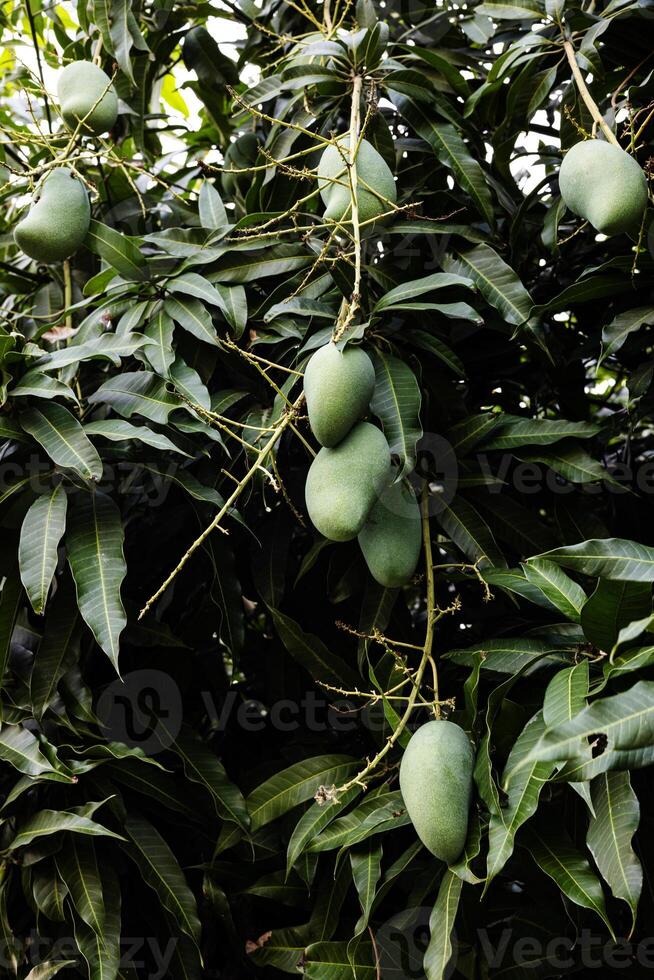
(396,400)
(497,282)
(568,868)
(615,821)
(441,925)
(121,252)
(295,785)
(40,534)
(94,541)
(63,439)
(161,871)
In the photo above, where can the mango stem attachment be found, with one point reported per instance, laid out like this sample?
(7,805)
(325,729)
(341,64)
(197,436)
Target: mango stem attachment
(586,96)
(427,658)
(349,309)
(68,294)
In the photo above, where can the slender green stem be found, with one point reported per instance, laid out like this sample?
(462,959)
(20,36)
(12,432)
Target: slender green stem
(236,493)
(586,96)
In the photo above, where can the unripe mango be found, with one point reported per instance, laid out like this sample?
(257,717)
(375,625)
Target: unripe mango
(344,482)
(391,537)
(604,185)
(85,93)
(436,784)
(338,386)
(58,221)
(372,172)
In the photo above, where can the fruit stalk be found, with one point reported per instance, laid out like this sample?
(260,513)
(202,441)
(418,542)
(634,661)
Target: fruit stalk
(426,658)
(431,596)
(585,94)
(68,294)
(348,310)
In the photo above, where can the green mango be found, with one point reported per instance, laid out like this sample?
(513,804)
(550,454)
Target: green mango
(372,172)
(392,536)
(436,785)
(58,221)
(604,185)
(85,93)
(344,482)
(338,386)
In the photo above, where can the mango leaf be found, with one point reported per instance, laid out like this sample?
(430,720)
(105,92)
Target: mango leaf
(615,821)
(622,722)
(110,347)
(565,696)
(451,151)
(441,925)
(617,331)
(94,539)
(49,968)
(41,385)
(161,871)
(234,307)
(468,530)
(11,600)
(375,815)
(559,588)
(63,439)
(102,951)
(294,785)
(312,822)
(574,464)
(202,766)
(613,558)
(569,869)
(46,822)
(160,353)
(521,802)
(513,432)
(20,749)
(331,961)
(396,401)
(58,649)
(497,282)
(122,253)
(277,260)
(611,607)
(138,392)
(396,298)
(212,209)
(366,872)
(117,430)
(78,866)
(40,534)
(190,313)
(311,652)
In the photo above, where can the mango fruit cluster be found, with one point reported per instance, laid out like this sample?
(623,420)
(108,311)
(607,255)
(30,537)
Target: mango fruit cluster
(59,216)
(350,490)
(436,781)
(604,185)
